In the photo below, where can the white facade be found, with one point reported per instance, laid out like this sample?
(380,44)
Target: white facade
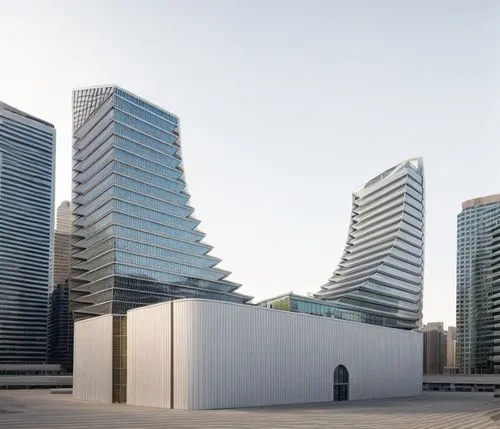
(200,354)
(93,359)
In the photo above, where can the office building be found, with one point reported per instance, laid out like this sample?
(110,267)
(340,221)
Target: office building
(207,354)
(62,244)
(60,328)
(60,322)
(135,239)
(381,270)
(434,356)
(27,146)
(478,285)
(451,346)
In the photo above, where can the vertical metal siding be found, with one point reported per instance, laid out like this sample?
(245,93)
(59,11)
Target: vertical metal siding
(229,355)
(148,356)
(92,369)
(249,356)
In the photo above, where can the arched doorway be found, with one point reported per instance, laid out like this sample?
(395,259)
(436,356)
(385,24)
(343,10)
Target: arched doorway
(341,384)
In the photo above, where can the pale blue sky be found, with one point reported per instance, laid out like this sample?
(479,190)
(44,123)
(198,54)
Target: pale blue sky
(286,107)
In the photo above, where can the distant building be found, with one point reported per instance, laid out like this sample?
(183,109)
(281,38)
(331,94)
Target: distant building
(319,307)
(434,359)
(451,346)
(60,326)
(62,244)
(60,321)
(26,210)
(478,286)
(381,270)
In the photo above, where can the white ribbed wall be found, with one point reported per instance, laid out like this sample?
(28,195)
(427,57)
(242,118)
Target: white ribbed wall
(93,359)
(229,355)
(149,370)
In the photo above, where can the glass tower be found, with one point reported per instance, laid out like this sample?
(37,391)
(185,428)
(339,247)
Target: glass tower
(27,147)
(381,270)
(478,286)
(135,239)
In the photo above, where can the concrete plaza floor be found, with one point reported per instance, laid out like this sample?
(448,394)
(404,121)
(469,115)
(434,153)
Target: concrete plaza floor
(39,409)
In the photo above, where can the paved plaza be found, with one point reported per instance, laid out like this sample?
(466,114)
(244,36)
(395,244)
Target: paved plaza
(39,409)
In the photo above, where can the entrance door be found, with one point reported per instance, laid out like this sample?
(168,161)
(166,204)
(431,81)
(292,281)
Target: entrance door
(341,384)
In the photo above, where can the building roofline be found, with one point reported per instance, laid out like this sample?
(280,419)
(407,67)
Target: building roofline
(481,201)
(389,172)
(114,86)
(9,108)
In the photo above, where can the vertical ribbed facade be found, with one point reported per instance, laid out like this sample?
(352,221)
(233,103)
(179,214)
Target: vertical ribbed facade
(27,147)
(135,239)
(478,286)
(381,270)
(202,354)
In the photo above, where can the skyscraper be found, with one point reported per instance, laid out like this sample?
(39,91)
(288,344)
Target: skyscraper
(62,244)
(478,285)
(381,270)
(27,146)
(60,321)
(434,348)
(135,239)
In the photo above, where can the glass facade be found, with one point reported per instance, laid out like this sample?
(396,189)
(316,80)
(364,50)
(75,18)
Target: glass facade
(60,328)
(381,270)
(478,286)
(135,239)
(26,195)
(319,307)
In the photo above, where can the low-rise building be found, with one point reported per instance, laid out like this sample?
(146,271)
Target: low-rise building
(205,354)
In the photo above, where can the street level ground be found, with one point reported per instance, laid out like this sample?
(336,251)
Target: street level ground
(39,409)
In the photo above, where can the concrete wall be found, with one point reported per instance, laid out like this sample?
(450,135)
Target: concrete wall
(93,354)
(230,355)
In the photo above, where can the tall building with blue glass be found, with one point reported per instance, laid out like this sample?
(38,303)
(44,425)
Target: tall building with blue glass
(135,239)
(478,286)
(27,146)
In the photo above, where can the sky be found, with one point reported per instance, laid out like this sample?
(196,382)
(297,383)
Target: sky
(286,107)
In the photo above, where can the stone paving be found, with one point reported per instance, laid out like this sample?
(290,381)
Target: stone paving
(32,409)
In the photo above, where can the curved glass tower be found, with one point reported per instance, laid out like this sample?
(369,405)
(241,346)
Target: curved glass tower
(135,239)
(381,270)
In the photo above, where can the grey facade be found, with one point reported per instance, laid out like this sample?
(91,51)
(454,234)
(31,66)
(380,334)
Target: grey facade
(135,239)
(27,146)
(381,270)
(434,348)
(478,286)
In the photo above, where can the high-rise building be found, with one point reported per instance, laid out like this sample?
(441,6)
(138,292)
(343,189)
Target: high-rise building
(381,270)
(478,285)
(60,328)
(135,239)
(451,345)
(434,348)
(60,323)
(27,146)
(63,218)
(62,244)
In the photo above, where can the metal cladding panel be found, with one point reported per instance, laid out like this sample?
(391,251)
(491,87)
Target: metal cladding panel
(241,356)
(92,366)
(148,356)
